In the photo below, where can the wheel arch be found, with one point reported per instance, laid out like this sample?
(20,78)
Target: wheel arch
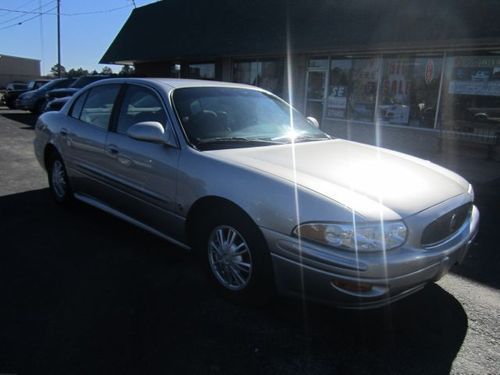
(49,152)
(200,209)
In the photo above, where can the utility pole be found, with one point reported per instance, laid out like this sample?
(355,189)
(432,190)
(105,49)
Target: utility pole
(59,38)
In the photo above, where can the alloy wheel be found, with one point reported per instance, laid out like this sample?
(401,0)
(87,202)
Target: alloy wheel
(229,258)
(58,176)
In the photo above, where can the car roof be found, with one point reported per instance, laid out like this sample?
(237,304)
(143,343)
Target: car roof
(175,83)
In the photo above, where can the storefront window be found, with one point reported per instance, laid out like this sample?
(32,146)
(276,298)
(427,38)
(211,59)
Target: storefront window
(363,97)
(471,94)
(407,95)
(409,91)
(202,71)
(265,74)
(352,89)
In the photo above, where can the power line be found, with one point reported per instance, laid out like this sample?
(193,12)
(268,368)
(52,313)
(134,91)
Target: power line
(19,7)
(48,12)
(34,11)
(27,19)
(24,12)
(95,11)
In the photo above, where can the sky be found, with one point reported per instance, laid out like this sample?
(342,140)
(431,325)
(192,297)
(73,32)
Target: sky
(84,37)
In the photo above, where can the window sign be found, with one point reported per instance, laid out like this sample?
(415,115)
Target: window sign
(471,94)
(395,95)
(475,75)
(336,101)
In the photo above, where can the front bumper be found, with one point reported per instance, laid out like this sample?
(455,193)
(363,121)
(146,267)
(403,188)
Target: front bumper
(25,104)
(315,272)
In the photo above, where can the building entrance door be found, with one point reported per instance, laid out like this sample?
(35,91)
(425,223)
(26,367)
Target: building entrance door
(315,94)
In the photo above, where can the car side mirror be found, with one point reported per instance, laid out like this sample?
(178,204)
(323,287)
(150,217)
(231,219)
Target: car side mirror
(152,131)
(311,120)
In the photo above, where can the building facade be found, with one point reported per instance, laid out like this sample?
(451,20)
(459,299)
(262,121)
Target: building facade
(17,69)
(404,75)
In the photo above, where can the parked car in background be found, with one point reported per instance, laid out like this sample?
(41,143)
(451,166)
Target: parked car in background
(11,94)
(263,197)
(56,104)
(34,100)
(79,83)
(13,86)
(16,86)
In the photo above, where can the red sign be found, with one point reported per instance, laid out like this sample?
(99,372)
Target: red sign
(429,71)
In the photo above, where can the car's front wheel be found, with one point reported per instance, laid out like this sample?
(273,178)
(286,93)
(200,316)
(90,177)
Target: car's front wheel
(236,257)
(58,181)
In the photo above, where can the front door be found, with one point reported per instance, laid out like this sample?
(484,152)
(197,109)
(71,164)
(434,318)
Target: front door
(144,173)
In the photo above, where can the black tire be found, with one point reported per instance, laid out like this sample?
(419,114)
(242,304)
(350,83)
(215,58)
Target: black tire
(59,185)
(259,287)
(39,107)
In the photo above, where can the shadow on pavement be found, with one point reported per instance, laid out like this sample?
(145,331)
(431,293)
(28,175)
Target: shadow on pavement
(83,292)
(25,118)
(483,259)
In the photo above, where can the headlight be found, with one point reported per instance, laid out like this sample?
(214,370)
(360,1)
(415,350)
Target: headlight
(471,192)
(359,237)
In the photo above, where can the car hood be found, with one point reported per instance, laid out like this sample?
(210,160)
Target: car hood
(358,176)
(27,93)
(63,92)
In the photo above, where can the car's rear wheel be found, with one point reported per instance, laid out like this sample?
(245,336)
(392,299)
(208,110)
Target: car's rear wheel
(236,258)
(58,181)
(39,107)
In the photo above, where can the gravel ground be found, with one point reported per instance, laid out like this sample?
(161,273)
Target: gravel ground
(83,292)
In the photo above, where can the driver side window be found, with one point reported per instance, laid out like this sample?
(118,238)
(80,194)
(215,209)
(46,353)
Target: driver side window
(140,104)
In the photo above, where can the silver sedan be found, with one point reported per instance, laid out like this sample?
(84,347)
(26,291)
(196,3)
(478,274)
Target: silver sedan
(264,198)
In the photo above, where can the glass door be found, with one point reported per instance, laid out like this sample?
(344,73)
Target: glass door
(315,94)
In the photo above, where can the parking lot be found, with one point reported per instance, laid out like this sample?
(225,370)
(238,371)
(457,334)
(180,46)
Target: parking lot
(83,292)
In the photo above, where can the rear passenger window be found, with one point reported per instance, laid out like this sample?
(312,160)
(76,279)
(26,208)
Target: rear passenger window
(140,104)
(78,105)
(99,105)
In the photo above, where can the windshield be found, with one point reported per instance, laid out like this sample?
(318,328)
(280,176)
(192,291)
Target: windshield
(33,85)
(16,86)
(85,80)
(220,117)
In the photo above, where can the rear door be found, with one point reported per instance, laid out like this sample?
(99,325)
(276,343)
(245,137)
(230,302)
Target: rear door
(84,138)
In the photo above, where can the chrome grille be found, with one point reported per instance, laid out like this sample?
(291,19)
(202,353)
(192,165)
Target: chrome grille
(444,227)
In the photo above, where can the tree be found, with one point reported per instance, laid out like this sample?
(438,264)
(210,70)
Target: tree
(77,72)
(106,70)
(127,71)
(55,70)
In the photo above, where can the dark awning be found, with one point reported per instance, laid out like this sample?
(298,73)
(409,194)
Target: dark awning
(203,29)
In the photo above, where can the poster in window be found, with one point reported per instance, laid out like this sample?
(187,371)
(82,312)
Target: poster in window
(337,102)
(475,75)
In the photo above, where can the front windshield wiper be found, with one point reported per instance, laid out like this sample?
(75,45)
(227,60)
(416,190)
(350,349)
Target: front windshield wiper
(234,140)
(302,138)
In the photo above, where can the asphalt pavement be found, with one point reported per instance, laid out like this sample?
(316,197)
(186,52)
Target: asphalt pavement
(85,293)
